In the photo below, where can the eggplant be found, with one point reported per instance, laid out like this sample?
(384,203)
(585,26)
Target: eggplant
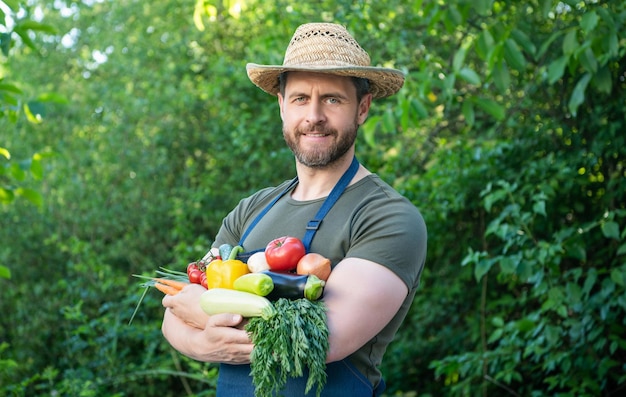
(295,286)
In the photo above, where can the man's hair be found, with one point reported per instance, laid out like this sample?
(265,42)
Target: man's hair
(362,85)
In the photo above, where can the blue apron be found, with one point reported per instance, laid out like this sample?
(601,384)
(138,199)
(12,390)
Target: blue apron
(343,378)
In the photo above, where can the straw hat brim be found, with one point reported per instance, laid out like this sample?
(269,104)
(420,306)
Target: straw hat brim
(383,81)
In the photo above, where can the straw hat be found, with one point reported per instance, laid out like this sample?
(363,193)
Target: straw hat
(327,48)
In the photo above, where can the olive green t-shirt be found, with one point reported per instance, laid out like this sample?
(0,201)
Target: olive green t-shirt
(370,220)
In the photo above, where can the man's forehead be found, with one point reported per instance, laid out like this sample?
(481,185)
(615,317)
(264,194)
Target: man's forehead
(301,80)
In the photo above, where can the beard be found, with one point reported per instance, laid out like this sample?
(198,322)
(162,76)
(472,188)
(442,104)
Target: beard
(321,157)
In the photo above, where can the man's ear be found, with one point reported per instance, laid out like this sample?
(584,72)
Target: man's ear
(364,108)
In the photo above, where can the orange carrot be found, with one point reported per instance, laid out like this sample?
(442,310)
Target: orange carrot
(166,289)
(172,283)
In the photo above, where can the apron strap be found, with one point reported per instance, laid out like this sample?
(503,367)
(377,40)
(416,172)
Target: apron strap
(256,220)
(332,198)
(314,223)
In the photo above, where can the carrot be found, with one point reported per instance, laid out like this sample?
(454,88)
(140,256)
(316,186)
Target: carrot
(166,289)
(172,283)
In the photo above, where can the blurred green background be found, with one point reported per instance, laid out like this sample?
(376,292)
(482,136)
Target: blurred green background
(128,129)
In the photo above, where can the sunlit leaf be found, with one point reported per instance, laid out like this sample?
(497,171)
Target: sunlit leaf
(29,24)
(10,88)
(14,5)
(5,272)
(198,12)
(4,152)
(31,195)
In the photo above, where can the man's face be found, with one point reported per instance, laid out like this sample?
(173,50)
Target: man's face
(321,116)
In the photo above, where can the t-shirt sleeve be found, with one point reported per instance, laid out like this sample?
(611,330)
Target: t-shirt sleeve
(392,235)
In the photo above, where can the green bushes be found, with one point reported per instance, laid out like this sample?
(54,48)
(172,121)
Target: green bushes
(519,180)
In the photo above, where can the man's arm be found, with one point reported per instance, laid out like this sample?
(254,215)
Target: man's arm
(361,298)
(217,338)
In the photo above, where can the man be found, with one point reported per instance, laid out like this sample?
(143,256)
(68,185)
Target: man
(375,238)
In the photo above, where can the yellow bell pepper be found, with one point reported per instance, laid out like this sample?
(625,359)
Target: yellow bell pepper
(222,273)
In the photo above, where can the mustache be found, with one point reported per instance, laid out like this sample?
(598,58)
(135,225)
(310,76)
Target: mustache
(318,130)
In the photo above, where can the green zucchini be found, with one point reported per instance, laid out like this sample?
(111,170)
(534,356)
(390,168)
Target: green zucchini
(255,283)
(295,286)
(223,300)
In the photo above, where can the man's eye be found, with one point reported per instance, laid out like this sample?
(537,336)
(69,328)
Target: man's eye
(333,100)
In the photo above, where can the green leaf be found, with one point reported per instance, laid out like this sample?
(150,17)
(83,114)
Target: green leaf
(5,153)
(52,97)
(469,75)
(6,196)
(574,293)
(482,7)
(5,43)
(5,272)
(588,60)
(589,21)
(546,8)
(468,113)
(31,195)
(490,106)
(617,275)
(570,43)
(496,335)
(508,264)
(540,208)
(603,80)
(525,325)
(557,68)
(484,44)
(578,96)
(459,59)
(36,169)
(501,77)
(482,267)
(14,5)
(622,249)
(524,41)
(418,107)
(513,55)
(29,24)
(10,88)
(610,229)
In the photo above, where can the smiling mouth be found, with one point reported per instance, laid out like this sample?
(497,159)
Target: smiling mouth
(315,134)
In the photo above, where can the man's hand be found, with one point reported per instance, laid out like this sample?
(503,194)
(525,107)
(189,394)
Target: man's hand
(217,338)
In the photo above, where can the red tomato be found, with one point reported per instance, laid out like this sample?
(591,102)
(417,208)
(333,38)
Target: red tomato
(192,266)
(195,276)
(203,280)
(283,253)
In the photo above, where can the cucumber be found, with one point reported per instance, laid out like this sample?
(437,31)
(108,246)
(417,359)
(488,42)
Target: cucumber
(222,300)
(295,286)
(255,283)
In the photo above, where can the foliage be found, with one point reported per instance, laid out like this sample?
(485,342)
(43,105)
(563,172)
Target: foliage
(508,135)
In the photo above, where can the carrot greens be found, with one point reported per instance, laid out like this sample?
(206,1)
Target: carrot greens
(293,340)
